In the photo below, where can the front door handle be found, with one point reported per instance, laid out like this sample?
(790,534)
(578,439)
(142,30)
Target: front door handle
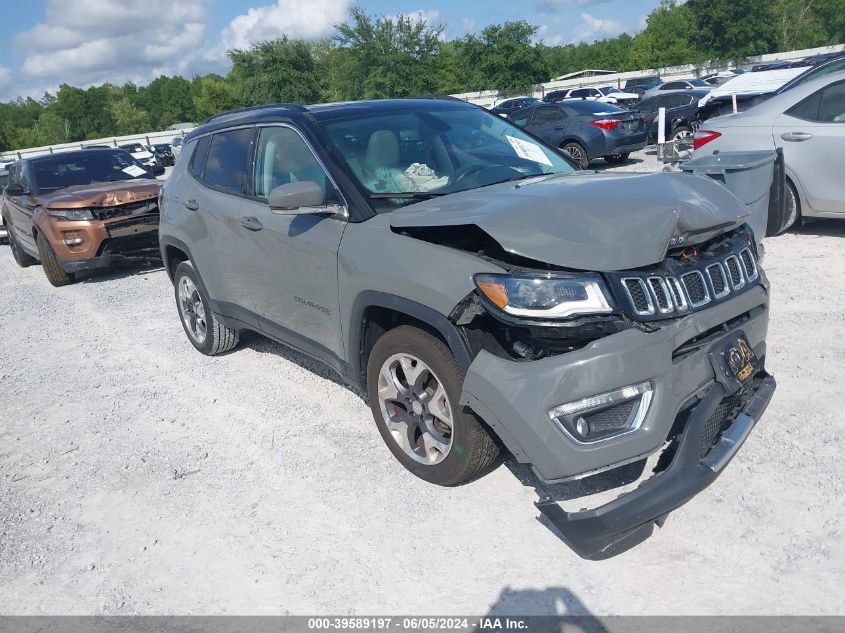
(193,205)
(796,137)
(251,223)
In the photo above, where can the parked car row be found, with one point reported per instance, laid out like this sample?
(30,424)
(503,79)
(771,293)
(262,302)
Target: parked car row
(464,273)
(585,130)
(806,122)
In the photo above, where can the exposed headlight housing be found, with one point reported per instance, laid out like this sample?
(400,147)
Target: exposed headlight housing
(71,214)
(551,296)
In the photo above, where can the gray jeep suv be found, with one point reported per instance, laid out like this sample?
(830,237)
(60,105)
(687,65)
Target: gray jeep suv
(484,292)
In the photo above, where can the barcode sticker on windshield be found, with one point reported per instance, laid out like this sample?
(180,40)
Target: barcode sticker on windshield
(134,170)
(528,150)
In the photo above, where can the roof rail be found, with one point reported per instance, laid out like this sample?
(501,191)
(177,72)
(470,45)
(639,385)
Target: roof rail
(289,106)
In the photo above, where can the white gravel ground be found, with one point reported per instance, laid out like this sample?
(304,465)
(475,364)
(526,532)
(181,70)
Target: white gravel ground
(138,476)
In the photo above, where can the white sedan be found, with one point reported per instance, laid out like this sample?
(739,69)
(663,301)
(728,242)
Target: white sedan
(808,122)
(604,94)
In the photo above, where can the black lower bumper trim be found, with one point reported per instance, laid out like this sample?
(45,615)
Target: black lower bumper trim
(107,260)
(628,520)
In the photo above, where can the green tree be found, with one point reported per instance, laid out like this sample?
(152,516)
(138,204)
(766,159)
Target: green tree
(667,39)
(732,29)
(168,100)
(808,23)
(129,118)
(50,129)
(280,70)
(215,95)
(503,57)
(386,57)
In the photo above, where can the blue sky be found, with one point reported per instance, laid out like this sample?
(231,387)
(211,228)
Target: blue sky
(85,42)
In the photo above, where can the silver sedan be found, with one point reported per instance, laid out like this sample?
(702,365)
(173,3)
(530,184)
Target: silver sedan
(808,122)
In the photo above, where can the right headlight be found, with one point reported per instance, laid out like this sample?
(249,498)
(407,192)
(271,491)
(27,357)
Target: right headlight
(550,296)
(71,214)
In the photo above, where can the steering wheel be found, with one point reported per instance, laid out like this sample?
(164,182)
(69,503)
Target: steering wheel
(487,173)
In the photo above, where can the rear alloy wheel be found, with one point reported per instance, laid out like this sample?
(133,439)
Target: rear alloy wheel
(615,159)
(414,384)
(681,133)
(793,206)
(22,258)
(56,275)
(577,153)
(205,331)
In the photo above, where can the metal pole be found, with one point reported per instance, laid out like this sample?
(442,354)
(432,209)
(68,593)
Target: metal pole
(733,100)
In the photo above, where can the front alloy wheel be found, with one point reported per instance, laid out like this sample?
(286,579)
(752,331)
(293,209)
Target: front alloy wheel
(415,408)
(192,310)
(414,387)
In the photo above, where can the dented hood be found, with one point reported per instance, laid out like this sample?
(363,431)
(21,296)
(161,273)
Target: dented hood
(101,194)
(588,221)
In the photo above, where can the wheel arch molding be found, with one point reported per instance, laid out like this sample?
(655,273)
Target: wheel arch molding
(403,311)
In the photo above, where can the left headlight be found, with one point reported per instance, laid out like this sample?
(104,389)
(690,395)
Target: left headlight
(545,296)
(71,214)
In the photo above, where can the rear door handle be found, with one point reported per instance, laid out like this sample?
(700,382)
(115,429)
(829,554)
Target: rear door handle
(251,223)
(193,205)
(795,137)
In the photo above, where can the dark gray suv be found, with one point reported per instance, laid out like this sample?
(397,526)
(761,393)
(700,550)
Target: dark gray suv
(484,292)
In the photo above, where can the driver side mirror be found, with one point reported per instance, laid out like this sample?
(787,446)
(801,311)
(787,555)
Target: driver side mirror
(303,197)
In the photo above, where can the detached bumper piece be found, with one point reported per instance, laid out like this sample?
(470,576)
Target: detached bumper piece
(627,521)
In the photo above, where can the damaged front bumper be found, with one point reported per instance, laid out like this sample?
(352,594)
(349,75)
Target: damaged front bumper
(677,364)
(628,520)
(131,241)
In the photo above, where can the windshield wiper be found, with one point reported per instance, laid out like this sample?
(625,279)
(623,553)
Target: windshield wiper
(411,195)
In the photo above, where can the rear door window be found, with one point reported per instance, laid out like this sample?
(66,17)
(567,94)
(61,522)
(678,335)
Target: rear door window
(198,159)
(522,118)
(544,116)
(825,106)
(226,165)
(832,109)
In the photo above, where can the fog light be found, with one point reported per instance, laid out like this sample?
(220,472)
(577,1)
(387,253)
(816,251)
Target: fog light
(582,427)
(605,415)
(72,238)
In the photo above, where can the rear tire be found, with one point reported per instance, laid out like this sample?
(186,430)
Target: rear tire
(680,132)
(205,331)
(22,258)
(428,431)
(577,153)
(795,220)
(56,275)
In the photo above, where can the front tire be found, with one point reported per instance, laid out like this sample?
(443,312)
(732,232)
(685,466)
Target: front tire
(205,331)
(22,258)
(56,275)
(414,386)
(577,153)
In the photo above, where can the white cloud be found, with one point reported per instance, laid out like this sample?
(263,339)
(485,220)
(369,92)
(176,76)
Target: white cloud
(558,5)
(85,42)
(592,28)
(420,15)
(295,18)
(5,75)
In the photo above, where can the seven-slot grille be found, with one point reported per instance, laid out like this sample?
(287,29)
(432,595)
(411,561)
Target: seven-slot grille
(657,295)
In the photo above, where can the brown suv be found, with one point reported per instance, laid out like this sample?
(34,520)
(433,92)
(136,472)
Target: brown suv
(81,210)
